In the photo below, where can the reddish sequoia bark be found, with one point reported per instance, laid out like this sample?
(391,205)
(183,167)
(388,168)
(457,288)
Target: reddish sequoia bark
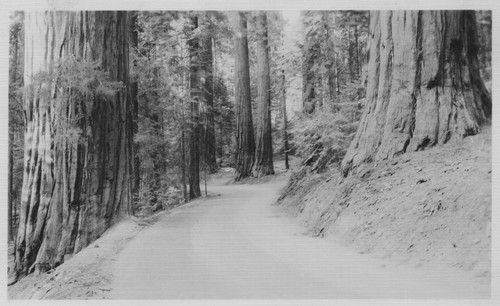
(424,86)
(77,164)
(264,149)
(245,143)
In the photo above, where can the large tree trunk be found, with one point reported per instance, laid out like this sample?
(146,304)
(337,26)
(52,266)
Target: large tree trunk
(78,147)
(424,86)
(196,97)
(264,148)
(245,143)
(208,142)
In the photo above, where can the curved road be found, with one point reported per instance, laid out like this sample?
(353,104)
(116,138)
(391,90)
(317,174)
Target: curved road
(237,245)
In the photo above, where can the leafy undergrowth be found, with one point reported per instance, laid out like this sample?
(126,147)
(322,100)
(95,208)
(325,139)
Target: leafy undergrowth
(323,138)
(425,208)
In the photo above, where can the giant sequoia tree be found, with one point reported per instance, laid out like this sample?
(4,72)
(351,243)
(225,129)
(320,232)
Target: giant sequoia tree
(424,86)
(245,143)
(264,147)
(78,133)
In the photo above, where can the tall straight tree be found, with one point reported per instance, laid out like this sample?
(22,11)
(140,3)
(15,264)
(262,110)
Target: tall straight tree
(78,141)
(196,96)
(245,143)
(424,86)
(208,141)
(264,145)
(134,91)
(285,124)
(15,110)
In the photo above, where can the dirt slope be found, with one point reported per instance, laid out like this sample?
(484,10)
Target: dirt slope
(430,208)
(86,275)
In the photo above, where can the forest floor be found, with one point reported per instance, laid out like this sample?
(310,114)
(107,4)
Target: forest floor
(86,275)
(235,244)
(429,209)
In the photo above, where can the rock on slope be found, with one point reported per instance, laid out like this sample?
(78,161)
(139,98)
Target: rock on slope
(425,208)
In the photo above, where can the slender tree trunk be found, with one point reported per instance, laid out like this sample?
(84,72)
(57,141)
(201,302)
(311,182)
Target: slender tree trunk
(245,143)
(183,127)
(337,77)
(134,89)
(424,86)
(309,94)
(330,51)
(264,147)
(356,45)
(12,131)
(196,97)
(183,166)
(11,178)
(74,188)
(208,115)
(285,123)
(205,179)
(349,48)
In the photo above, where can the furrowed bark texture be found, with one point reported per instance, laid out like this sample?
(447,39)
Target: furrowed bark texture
(264,145)
(73,190)
(424,86)
(245,143)
(196,96)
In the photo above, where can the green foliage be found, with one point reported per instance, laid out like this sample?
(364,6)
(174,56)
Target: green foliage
(333,87)
(322,139)
(151,199)
(161,67)
(78,84)
(70,90)
(333,52)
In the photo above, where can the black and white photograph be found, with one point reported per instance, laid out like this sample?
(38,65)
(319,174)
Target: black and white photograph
(293,152)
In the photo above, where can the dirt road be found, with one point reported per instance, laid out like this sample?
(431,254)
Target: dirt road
(237,245)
